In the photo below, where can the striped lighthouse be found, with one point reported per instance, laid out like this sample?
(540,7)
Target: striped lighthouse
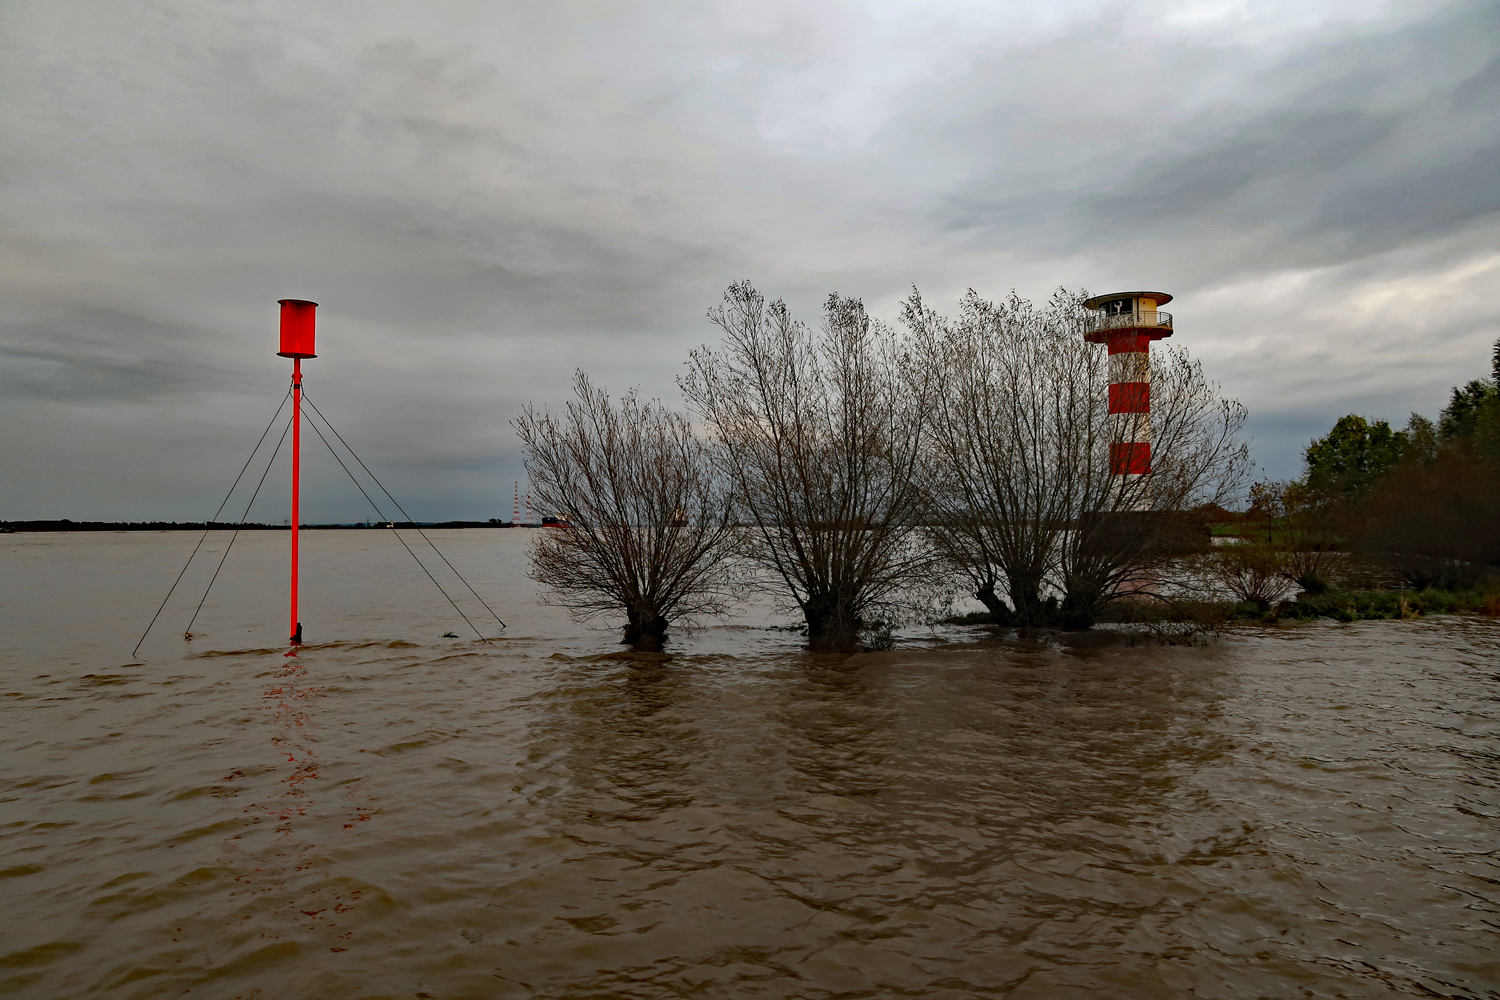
(1127,323)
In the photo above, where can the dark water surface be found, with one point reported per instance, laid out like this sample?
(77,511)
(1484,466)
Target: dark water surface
(1300,811)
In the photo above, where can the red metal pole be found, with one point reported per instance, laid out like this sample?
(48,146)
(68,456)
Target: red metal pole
(296,626)
(298,338)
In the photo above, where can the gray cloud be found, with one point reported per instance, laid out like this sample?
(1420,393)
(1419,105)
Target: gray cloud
(485,195)
(91,356)
(1435,200)
(1371,140)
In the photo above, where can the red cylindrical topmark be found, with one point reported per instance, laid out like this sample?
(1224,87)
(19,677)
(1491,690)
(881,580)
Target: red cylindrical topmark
(298,323)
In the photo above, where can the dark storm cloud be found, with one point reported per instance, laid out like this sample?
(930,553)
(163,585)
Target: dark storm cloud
(1428,202)
(485,195)
(102,356)
(1373,140)
(1285,146)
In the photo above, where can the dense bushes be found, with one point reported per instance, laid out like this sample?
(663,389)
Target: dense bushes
(1437,522)
(1432,511)
(1389,604)
(1384,524)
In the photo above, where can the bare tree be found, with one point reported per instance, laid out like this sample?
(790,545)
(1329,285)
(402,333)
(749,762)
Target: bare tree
(1020,467)
(996,474)
(821,436)
(1127,526)
(1437,522)
(647,512)
(1252,572)
(1298,521)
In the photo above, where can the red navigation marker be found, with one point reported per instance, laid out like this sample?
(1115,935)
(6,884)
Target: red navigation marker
(298,341)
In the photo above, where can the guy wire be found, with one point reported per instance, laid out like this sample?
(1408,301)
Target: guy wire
(187,632)
(378,513)
(409,519)
(210,521)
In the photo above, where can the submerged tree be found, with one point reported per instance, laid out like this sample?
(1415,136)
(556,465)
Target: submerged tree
(1005,409)
(1298,523)
(821,435)
(1253,572)
(646,510)
(1198,457)
(1020,469)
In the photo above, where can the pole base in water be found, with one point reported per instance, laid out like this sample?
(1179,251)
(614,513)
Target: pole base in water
(297,638)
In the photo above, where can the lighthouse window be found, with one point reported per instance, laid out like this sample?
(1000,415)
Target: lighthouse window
(1118,307)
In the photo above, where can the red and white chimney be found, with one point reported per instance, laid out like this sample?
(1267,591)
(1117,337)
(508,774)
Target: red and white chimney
(1127,323)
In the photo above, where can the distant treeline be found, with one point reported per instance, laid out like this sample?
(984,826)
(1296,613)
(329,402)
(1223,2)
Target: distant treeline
(1421,504)
(66,525)
(1426,499)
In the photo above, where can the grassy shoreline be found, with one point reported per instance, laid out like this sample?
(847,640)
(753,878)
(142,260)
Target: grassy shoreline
(1339,605)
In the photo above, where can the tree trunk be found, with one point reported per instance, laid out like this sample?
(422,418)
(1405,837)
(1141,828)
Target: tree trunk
(831,626)
(1080,609)
(997,608)
(1026,598)
(645,632)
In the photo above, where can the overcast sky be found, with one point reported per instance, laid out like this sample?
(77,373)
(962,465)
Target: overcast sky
(484,195)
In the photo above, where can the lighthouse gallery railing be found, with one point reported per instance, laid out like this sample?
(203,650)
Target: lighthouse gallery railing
(1156,320)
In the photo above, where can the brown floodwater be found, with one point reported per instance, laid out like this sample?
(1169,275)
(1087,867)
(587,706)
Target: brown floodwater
(1297,811)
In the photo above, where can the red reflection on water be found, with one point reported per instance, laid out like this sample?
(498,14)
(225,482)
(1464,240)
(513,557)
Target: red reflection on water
(289,700)
(295,866)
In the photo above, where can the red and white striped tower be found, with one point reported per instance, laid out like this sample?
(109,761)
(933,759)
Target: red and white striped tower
(1127,322)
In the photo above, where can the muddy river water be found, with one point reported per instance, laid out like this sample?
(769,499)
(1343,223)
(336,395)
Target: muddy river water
(1298,811)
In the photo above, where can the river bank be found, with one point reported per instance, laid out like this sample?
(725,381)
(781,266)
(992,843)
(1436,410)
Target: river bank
(1338,605)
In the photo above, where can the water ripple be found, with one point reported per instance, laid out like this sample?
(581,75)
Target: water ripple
(1299,811)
